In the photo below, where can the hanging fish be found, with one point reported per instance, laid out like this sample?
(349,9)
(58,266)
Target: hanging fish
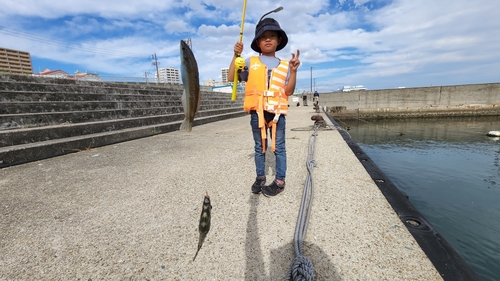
(191,83)
(204,226)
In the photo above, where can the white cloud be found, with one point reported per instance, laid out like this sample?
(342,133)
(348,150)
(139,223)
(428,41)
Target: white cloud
(360,2)
(214,31)
(55,9)
(178,26)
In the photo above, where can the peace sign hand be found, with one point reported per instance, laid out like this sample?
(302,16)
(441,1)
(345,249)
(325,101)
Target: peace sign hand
(294,62)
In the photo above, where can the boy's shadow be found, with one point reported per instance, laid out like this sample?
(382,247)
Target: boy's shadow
(270,164)
(282,257)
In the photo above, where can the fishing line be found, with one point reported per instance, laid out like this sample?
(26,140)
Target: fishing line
(365,121)
(318,127)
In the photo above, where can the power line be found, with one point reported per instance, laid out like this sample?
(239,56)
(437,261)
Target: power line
(60,43)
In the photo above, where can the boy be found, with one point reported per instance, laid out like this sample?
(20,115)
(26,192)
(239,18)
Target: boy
(269,82)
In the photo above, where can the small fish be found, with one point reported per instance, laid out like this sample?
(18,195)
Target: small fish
(191,83)
(204,226)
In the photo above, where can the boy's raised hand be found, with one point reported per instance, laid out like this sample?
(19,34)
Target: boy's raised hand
(294,62)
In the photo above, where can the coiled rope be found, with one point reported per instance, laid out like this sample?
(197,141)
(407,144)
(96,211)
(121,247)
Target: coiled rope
(302,267)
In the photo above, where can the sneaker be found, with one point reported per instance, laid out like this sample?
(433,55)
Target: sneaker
(273,189)
(258,184)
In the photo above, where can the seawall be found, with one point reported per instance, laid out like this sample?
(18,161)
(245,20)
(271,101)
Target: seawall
(463,100)
(44,117)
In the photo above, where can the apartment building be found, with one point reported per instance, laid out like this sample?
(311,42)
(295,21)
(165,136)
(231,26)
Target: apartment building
(169,75)
(224,72)
(16,62)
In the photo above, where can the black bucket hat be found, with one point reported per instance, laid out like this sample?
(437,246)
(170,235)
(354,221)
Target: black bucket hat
(265,25)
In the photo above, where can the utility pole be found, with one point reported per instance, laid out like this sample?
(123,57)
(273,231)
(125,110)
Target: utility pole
(312,78)
(146,75)
(157,72)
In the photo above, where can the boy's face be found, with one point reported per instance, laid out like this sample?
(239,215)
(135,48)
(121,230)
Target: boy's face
(268,41)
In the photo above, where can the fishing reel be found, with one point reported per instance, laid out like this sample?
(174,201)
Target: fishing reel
(239,63)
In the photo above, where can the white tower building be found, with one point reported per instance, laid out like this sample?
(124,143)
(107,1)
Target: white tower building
(169,75)
(224,72)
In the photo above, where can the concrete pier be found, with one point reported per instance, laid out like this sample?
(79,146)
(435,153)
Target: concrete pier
(130,211)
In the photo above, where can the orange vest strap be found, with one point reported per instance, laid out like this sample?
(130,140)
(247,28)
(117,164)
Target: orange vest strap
(263,133)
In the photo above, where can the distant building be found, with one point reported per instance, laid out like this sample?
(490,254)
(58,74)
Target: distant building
(63,74)
(86,76)
(169,75)
(224,72)
(16,62)
(352,88)
(52,73)
(209,82)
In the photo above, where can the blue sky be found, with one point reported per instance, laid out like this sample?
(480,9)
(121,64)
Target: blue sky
(379,44)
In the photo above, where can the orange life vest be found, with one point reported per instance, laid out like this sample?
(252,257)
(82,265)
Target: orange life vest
(260,97)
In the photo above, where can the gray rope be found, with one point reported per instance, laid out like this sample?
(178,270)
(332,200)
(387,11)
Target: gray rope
(302,268)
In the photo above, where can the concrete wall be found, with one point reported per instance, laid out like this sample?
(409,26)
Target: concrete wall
(473,99)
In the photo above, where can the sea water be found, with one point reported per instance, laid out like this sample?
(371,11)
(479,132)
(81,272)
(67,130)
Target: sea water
(450,170)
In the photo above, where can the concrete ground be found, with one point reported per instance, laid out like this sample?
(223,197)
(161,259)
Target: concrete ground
(130,211)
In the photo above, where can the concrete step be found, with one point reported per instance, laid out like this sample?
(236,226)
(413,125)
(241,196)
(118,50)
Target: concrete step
(27,96)
(51,132)
(7,81)
(36,119)
(62,106)
(41,84)
(130,82)
(24,95)
(18,154)
(20,107)
(77,88)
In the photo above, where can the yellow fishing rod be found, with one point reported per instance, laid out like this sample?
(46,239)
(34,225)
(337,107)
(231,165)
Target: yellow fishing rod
(239,62)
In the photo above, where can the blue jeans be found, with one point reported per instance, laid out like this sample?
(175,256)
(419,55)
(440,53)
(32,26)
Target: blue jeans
(280,153)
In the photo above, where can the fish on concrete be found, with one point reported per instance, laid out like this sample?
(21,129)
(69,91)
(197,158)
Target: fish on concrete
(204,226)
(191,83)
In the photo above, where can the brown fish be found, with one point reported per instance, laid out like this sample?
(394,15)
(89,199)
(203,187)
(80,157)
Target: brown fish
(191,82)
(204,226)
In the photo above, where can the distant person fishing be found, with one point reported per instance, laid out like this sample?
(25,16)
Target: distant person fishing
(304,98)
(316,98)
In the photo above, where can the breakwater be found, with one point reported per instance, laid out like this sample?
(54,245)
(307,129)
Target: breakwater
(459,100)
